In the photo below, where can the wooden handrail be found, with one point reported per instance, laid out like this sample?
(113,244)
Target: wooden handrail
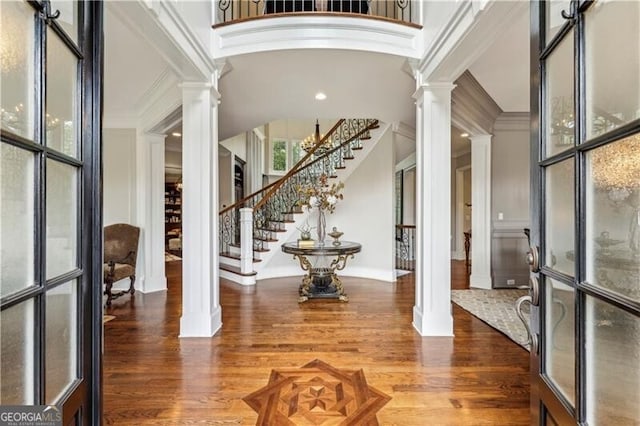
(297,167)
(326,154)
(286,176)
(400,226)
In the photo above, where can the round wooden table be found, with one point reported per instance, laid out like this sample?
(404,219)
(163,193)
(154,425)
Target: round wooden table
(321,261)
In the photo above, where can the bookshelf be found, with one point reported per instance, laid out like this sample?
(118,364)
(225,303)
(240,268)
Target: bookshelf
(172,217)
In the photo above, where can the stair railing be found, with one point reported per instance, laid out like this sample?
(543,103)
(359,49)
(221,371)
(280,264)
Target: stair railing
(275,204)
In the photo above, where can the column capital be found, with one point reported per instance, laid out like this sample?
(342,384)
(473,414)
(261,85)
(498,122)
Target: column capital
(436,88)
(483,137)
(200,86)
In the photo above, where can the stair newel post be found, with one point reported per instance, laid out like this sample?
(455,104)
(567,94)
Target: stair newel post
(246,240)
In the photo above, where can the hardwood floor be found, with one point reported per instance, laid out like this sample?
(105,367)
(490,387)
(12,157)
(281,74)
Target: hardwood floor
(153,377)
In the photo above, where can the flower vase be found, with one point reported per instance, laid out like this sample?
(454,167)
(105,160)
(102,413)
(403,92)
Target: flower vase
(321,227)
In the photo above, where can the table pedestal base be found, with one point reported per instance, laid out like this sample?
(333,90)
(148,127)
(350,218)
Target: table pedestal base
(321,283)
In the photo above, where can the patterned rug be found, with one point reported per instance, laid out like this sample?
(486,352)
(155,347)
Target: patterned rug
(317,394)
(496,308)
(107,318)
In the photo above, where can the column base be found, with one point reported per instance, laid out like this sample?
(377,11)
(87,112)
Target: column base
(200,324)
(435,323)
(480,281)
(152,284)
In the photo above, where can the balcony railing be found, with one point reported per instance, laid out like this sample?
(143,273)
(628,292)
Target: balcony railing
(237,10)
(406,247)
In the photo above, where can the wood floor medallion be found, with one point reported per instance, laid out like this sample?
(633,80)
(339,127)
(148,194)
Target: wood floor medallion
(317,394)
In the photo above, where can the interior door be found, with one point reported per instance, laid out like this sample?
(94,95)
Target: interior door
(585,254)
(50,212)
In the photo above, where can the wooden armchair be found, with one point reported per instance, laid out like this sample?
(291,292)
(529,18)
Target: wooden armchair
(120,254)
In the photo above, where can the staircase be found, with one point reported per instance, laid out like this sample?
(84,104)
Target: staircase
(253,228)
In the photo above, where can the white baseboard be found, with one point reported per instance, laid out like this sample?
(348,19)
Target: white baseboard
(457,255)
(479,281)
(238,279)
(437,323)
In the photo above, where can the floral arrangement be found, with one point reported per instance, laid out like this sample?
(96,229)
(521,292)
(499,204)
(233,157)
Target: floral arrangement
(320,194)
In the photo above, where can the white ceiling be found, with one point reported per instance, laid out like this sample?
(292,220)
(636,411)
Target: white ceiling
(503,70)
(264,87)
(131,67)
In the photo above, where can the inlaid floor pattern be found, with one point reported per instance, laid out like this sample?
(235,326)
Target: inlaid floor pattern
(317,394)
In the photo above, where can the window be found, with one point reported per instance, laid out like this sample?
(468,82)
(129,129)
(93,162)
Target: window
(284,154)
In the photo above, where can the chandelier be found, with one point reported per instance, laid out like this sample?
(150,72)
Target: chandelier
(312,140)
(617,166)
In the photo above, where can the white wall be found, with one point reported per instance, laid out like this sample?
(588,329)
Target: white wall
(119,156)
(365,215)
(237,145)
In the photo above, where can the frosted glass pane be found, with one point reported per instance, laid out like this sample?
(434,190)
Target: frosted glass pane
(560,217)
(61,122)
(62,222)
(612,65)
(16,68)
(560,337)
(613,210)
(16,360)
(61,340)
(559,108)
(16,219)
(612,365)
(68,18)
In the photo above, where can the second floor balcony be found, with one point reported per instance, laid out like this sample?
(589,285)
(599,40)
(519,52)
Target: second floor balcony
(400,11)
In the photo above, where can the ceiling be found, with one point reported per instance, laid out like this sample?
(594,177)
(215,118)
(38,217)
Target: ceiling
(263,87)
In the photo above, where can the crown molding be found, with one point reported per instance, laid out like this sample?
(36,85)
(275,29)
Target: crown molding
(513,121)
(404,129)
(472,109)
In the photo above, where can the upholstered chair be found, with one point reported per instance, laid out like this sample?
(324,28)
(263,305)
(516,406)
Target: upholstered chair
(120,254)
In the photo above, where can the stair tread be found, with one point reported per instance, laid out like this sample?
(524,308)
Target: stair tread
(282,221)
(270,240)
(261,250)
(351,157)
(271,230)
(237,256)
(357,148)
(236,270)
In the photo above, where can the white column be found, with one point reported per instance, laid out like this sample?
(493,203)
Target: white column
(480,212)
(201,313)
(150,271)
(432,310)
(246,240)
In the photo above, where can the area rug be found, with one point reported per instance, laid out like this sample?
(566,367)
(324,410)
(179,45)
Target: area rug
(497,308)
(107,318)
(317,394)
(168,257)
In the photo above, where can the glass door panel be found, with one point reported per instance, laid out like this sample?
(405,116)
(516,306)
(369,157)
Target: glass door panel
(61,339)
(613,365)
(62,210)
(68,18)
(612,65)
(62,75)
(559,209)
(17,219)
(17,361)
(560,337)
(554,19)
(17,68)
(560,110)
(613,208)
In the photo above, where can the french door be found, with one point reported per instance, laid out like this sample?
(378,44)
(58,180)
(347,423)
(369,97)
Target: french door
(50,209)
(585,258)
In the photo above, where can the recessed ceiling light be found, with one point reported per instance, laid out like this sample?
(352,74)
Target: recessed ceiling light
(176,134)
(321,96)
(464,135)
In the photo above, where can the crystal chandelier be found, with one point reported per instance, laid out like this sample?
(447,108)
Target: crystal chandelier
(312,140)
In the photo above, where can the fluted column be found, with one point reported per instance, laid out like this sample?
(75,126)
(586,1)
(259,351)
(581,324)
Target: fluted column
(201,312)
(432,310)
